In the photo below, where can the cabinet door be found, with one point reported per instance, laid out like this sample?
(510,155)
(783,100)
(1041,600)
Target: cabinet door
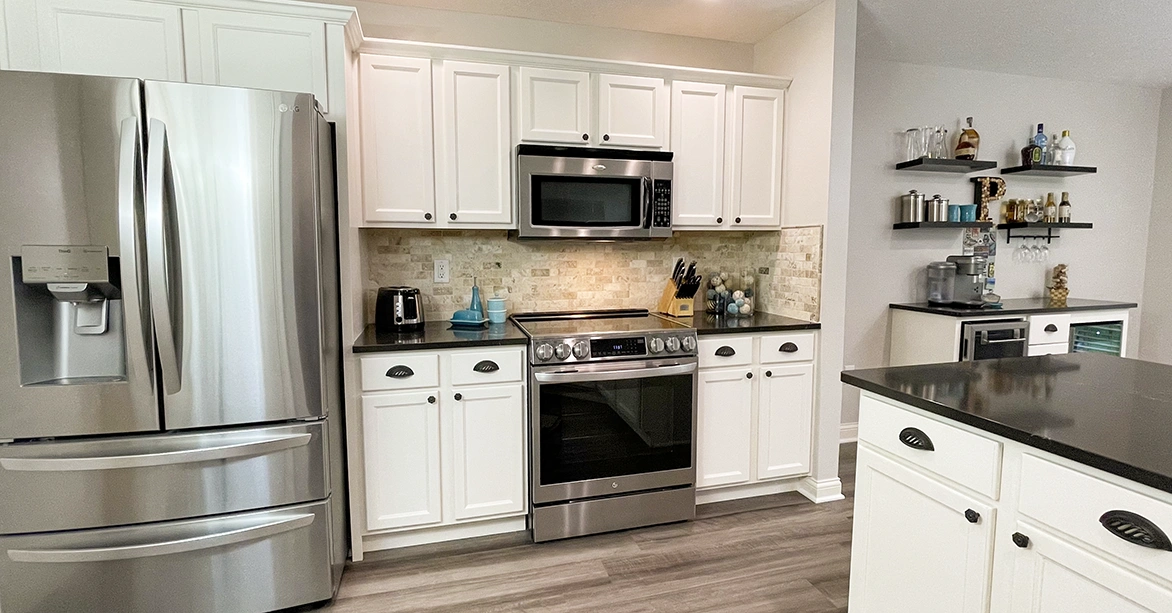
(785,410)
(755,157)
(488,447)
(401,451)
(398,176)
(697,139)
(473,179)
(914,550)
(632,111)
(555,106)
(724,448)
(1053,576)
(262,52)
(120,38)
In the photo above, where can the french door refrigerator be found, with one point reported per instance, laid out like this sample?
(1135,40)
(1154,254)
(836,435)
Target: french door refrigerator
(170,435)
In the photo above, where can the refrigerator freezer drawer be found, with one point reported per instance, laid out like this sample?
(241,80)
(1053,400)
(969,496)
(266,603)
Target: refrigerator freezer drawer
(241,563)
(128,480)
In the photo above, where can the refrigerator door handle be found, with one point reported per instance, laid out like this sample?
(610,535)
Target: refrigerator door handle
(267,529)
(237,449)
(134,291)
(162,259)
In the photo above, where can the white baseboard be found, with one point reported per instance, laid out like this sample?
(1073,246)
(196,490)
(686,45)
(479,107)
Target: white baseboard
(827,490)
(746,490)
(425,536)
(848,433)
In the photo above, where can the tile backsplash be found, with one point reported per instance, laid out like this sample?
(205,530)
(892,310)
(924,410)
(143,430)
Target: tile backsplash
(568,275)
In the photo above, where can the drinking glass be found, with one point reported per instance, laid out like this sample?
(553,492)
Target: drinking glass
(1036,252)
(911,141)
(1019,254)
(1044,256)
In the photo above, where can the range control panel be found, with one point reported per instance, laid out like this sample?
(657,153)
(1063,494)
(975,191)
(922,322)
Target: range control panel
(661,203)
(614,347)
(590,349)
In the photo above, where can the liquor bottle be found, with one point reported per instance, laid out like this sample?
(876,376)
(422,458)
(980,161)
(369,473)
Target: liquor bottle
(1051,156)
(1064,208)
(1041,142)
(1051,209)
(1032,153)
(968,143)
(1065,150)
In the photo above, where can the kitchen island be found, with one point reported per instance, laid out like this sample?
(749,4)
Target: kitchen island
(1028,484)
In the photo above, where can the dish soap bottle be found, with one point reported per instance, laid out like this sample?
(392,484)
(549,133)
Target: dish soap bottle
(969,142)
(1065,150)
(476,306)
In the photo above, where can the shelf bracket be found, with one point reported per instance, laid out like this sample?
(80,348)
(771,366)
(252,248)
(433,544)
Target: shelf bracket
(1049,236)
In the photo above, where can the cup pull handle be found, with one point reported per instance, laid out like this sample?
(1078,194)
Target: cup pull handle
(788,348)
(1135,529)
(1051,328)
(916,439)
(726,351)
(400,372)
(486,366)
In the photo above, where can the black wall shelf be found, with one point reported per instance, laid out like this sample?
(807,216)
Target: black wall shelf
(1050,170)
(945,165)
(1035,229)
(910,225)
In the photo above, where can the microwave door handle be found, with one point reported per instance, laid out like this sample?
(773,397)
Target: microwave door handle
(647,203)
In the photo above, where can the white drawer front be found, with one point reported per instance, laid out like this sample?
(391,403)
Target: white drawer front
(400,371)
(789,347)
(1051,349)
(477,367)
(1073,502)
(721,351)
(966,458)
(1047,329)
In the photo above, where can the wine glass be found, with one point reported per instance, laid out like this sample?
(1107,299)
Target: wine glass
(1045,253)
(1036,252)
(1019,254)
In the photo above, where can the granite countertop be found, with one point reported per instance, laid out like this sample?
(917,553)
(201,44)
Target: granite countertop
(757,322)
(1112,413)
(1019,306)
(440,335)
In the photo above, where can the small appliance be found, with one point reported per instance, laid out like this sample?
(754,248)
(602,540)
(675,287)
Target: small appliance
(969,285)
(398,309)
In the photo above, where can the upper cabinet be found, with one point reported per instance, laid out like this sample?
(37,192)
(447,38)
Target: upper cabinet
(754,161)
(632,111)
(555,106)
(697,137)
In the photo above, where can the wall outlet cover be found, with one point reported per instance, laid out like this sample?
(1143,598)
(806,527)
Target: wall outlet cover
(443,273)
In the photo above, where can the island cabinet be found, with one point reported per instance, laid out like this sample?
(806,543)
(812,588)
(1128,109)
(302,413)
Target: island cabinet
(755,414)
(443,445)
(951,518)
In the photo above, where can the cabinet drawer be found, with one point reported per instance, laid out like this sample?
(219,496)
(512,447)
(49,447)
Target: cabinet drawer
(792,347)
(1051,349)
(1074,503)
(479,367)
(1046,329)
(400,371)
(966,458)
(724,351)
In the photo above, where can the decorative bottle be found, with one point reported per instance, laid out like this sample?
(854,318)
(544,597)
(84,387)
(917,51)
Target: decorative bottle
(1051,209)
(1064,208)
(969,142)
(1040,141)
(1065,150)
(1032,153)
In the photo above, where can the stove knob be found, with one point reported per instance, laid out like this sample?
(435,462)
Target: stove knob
(562,351)
(656,345)
(689,344)
(673,344)
(581,350)
(544,352)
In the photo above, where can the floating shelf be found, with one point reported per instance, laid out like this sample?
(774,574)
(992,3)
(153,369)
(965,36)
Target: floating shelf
(1050,170)
(1040,225)
(945,165)
(943,224)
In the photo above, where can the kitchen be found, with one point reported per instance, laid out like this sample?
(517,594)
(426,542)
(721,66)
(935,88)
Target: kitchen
(446,445)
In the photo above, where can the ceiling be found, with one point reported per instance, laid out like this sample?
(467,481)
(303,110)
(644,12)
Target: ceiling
(741,21)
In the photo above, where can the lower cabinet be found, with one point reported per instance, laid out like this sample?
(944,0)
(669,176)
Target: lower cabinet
(401,437)
(488,451)
(723,454)
(785,415)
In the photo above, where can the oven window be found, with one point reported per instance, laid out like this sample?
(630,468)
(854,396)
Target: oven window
(594,430)
(586,201)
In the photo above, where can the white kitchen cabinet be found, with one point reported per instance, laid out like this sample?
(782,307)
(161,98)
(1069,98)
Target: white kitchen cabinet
(554,106)
(401,442)
(919,546)
(785,413)
(1052,575)
(755,157)
(398,173)
(275,52)
(488,446)
(632,111)
(697,140)
(723,454)
(121,38)
(473,173)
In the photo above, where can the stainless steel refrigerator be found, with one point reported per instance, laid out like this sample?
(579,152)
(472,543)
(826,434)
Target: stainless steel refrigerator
(170,435)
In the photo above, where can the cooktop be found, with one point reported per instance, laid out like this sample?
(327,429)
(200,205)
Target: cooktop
(587,336)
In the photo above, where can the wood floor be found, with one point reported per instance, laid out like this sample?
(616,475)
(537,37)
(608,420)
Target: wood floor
(778,554)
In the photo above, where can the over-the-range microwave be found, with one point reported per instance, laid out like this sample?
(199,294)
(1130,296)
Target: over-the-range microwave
(580,192)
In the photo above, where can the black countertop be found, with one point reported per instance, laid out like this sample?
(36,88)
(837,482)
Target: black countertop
(1108,412)
(440,335)
(757,322)
(1019,306)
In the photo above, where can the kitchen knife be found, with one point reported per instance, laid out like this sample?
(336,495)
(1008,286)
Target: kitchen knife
(677,271)
(691,272)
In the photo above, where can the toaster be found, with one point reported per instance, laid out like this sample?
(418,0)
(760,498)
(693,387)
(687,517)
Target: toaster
(398,309)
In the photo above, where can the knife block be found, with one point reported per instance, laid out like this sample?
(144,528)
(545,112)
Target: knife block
(670,305)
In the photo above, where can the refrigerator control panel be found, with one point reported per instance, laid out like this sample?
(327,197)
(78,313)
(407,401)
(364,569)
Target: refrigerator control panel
(64,263)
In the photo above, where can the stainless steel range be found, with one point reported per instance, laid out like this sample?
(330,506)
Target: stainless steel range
(612,421)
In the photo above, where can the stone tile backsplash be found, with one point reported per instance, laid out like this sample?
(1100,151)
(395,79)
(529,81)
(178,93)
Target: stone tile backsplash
(568,275)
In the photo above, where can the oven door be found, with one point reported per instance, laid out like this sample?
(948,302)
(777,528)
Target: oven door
(994,340)
(602,429)
(570,197)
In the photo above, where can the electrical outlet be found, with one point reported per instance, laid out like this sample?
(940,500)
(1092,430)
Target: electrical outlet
(443,274)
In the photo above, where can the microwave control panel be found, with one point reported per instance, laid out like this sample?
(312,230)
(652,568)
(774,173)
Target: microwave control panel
(661,204)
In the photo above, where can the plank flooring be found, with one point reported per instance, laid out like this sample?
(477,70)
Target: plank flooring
(777,554)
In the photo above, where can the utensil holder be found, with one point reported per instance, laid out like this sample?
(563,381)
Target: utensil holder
(670,305)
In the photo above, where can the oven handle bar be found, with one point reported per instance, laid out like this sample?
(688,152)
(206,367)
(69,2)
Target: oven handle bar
(615,375)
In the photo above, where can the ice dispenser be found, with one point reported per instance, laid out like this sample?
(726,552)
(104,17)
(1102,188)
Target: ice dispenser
(68,315)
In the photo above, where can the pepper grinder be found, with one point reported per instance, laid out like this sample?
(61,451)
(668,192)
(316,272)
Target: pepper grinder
(476,306)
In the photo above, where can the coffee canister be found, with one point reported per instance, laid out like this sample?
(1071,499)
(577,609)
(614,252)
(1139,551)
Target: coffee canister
(911,208)
(937,208)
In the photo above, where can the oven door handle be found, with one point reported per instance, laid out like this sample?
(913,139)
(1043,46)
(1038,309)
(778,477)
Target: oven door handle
(615,375)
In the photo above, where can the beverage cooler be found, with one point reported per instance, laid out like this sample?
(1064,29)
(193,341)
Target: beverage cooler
(1105,337)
